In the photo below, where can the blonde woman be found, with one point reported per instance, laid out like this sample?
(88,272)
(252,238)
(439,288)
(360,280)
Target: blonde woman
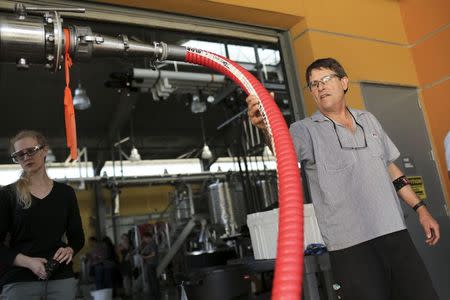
(37,212)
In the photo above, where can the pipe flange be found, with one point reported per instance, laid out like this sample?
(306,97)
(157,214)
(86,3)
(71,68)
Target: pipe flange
(58,34)
(161,51)
(49,47)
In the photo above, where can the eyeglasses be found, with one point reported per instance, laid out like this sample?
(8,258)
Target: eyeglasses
(20,155)
(339,140)
(314,85)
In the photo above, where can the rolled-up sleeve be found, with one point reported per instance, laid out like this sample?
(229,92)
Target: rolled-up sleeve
(391,152)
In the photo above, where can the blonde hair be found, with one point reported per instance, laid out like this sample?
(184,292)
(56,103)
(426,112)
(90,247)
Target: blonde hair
(21,185)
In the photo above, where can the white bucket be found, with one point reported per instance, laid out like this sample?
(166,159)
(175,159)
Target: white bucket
(104,294)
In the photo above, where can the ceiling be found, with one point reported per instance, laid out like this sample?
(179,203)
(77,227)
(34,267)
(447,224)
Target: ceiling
(33,99)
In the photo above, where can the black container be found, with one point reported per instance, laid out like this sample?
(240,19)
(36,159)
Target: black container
(218,283)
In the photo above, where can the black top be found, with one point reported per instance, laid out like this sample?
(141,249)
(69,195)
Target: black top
(38,231)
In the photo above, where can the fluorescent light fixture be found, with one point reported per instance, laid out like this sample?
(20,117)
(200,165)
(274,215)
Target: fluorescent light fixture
(70,171)
(160,167)
(10,173)
(225,164)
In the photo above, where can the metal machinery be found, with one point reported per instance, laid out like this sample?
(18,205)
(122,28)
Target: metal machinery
(37,36)
(28,39)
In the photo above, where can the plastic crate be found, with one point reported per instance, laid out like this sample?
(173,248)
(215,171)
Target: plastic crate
(263,228)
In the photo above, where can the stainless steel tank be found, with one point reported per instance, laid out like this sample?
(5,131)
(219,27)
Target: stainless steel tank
(226,206)
(184,207)
(267,191)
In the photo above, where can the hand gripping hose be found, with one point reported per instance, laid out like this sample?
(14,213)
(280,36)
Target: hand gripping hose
(289,262)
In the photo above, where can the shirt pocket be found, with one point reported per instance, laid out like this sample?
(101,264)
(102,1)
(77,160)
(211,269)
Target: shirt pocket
(335,185)
(339,161)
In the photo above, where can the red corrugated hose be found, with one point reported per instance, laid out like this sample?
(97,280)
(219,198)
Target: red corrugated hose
(289,261)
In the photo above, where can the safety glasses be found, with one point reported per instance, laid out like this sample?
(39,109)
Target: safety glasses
(19,156)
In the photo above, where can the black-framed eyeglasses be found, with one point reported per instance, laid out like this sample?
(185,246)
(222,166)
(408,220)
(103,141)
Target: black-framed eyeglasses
(314,85)
(31,151)
(339,140)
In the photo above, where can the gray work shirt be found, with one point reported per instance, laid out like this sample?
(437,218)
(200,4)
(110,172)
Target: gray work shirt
(352,192)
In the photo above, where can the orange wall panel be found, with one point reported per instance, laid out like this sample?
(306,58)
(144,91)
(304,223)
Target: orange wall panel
(432,57)
(304,55)
(298,28)
(421,17)
(243,13)
(437,107)
(379,19)
(367,60)
(289,7)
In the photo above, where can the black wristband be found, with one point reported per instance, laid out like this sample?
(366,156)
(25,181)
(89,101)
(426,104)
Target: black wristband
(400,182)
(421,203)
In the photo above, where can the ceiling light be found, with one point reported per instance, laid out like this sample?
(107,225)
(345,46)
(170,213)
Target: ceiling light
(81,100)
(134,155)
(197,106)
(206,153)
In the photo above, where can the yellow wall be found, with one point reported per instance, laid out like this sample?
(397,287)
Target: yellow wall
(427,27)
(141,200)
(133,201)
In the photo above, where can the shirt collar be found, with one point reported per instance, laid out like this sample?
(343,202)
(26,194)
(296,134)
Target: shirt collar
(320,117)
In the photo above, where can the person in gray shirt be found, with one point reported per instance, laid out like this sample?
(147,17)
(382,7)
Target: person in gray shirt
(354,185)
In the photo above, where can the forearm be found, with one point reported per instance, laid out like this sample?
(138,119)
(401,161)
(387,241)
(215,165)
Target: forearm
(21,261)
(429,224)
(406,193)
(76,243)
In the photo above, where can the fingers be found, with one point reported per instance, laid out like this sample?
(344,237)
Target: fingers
(436,235)
(253,111)
(39,267)
(59,254)
(63,255)
(428,234)
(42,275)
(42,260)
(432,233)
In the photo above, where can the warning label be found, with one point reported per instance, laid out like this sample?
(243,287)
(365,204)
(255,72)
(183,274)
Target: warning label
(418,186)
